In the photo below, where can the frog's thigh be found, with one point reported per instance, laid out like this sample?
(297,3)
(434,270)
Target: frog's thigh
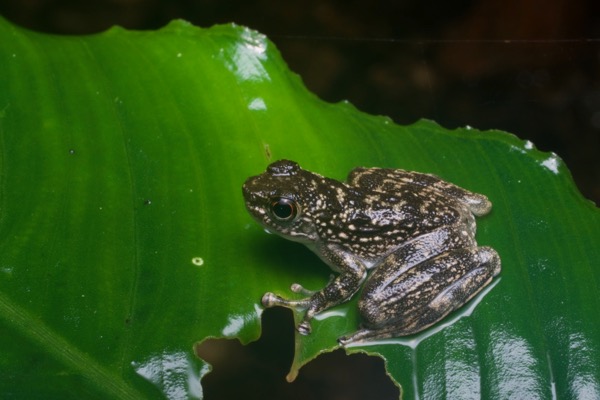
(427,292)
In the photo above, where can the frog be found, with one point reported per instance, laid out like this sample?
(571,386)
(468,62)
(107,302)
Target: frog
(404,239)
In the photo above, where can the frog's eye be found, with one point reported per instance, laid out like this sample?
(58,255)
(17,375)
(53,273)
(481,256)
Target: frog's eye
(284,209)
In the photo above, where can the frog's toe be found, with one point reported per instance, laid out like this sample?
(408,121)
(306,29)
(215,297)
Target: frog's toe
(343,341)
(270,300)
(358,336)
(298,288)
(304,328)
(490,257)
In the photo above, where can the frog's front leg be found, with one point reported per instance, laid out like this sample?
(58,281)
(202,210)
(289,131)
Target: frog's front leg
(424,294)
(338,290)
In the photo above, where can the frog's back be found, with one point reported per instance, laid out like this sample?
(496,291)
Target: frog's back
(390,207)
(399,182)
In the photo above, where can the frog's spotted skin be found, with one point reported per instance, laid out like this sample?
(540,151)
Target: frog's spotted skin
(414,230)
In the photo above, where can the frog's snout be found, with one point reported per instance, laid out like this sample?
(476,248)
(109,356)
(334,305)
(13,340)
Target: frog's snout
(252,196)
(247,191)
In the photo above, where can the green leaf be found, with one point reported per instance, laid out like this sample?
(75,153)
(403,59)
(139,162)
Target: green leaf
(124,239)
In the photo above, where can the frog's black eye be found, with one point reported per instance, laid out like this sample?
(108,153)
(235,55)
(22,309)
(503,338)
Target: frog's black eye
(284,209)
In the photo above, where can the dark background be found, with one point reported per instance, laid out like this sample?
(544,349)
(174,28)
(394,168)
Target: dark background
(529,67)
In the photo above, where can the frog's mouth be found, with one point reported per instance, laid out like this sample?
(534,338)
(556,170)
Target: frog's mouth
(293,232)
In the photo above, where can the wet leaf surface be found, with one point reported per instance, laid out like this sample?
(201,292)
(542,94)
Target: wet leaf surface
(124,240)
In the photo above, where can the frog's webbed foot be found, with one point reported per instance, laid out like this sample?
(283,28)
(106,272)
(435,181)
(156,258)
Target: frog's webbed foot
(271,300)
(338,289)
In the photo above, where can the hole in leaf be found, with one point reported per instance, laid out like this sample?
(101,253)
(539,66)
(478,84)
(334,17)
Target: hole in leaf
(258,370)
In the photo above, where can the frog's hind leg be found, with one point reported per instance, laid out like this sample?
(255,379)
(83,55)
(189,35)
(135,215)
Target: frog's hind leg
(424,294)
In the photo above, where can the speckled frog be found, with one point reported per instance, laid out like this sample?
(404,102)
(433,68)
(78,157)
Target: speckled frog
(415,232)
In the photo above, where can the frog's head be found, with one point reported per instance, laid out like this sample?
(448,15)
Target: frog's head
(286,200)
